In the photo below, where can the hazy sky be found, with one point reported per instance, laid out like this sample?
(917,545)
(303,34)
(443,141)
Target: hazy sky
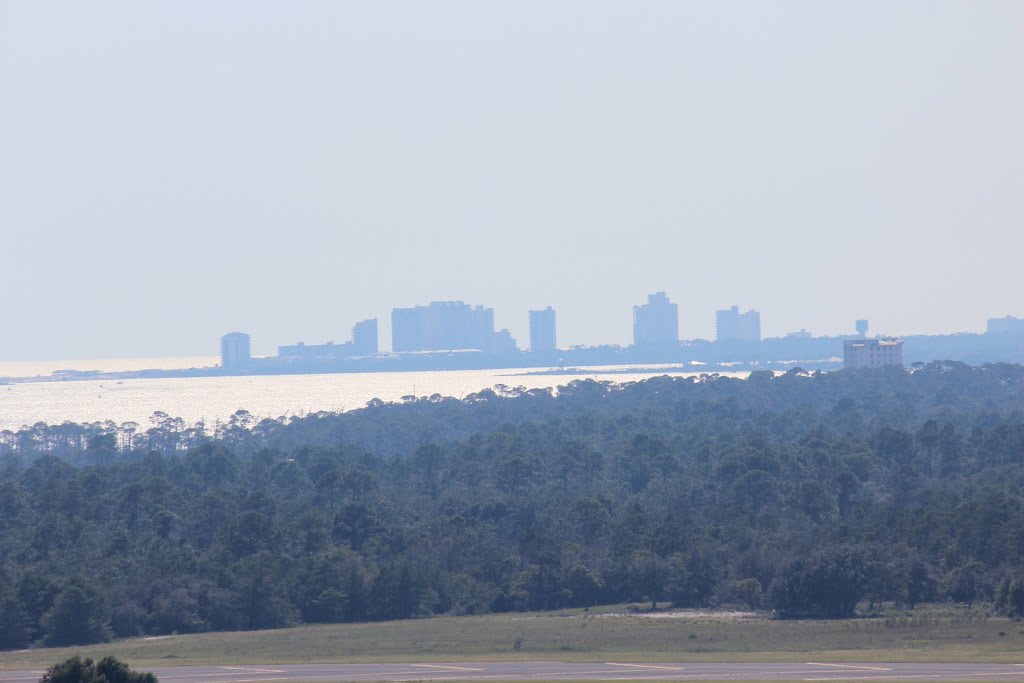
(170,171)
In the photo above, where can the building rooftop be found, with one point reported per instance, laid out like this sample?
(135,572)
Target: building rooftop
(888,341)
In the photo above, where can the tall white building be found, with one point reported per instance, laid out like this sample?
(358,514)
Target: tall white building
(364,338)
(442,326)
(1006,325)
(542,330)
(235,351)
(731,325)
(656,322)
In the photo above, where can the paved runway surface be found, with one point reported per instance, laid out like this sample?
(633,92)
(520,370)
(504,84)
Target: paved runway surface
(553,671)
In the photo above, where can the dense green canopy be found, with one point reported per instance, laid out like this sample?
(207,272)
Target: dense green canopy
(809,494)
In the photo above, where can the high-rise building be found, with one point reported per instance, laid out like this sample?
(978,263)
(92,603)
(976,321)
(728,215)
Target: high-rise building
(442,326)
(364,338)
(542,330)
(1006,325)
(502,341)
(656,322)
(872,353)
(235,351)
(731,325)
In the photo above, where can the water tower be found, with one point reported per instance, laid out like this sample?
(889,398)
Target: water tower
(862,328)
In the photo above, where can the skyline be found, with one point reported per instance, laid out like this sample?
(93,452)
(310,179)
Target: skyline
(739,327)
(383,328)
(172,171)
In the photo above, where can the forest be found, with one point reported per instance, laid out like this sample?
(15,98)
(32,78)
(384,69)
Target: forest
(809,494)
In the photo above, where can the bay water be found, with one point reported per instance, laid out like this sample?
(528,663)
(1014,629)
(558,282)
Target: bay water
(212,399)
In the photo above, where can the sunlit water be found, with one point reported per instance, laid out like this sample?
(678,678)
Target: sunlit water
(216,398)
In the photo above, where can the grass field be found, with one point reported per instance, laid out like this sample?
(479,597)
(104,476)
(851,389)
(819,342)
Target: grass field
(936,634)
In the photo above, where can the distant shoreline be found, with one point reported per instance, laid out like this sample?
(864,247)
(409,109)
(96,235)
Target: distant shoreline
(617,368)
(696,356)
(713,368)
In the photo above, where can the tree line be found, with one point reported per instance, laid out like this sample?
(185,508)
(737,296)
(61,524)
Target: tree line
(811,494)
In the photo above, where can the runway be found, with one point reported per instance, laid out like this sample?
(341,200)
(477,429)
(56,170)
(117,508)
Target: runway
(554,671)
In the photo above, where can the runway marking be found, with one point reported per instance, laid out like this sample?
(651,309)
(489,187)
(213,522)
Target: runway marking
(303,676)
(715,676)
(707,675)
(953,675)
(341,675)
(654,677)
(545,675)
(42,671)
(235,670)
(540,676)
(647,666)
(851,666)
(555,672)
(504,677)
(216,675)
(648,676)
(757,675)
(703,676)
(588,673)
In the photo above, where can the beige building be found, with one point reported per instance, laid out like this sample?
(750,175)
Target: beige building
(872,353)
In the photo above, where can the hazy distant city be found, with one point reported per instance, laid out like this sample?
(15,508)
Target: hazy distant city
(454,335)
(457,335)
